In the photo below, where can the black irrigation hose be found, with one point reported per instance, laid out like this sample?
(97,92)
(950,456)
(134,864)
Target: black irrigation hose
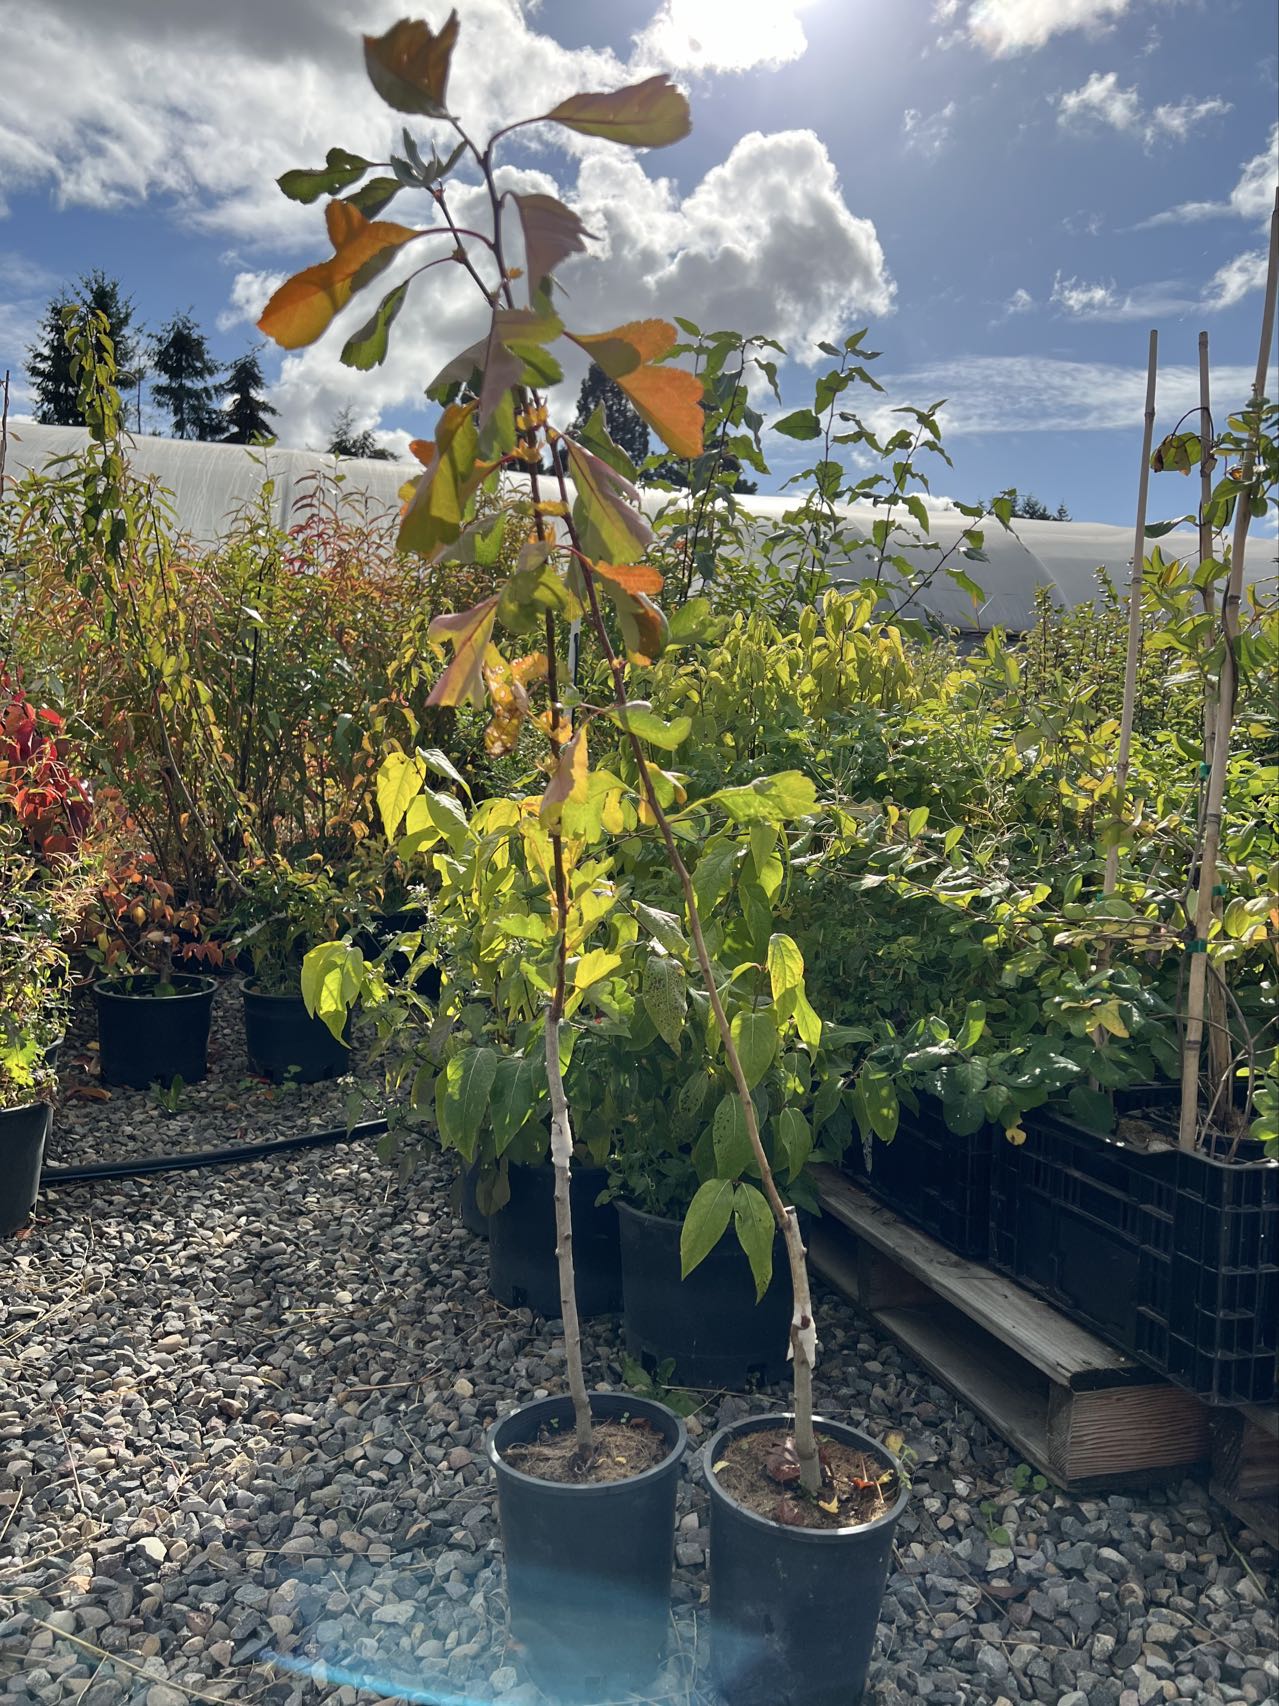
(211,1157)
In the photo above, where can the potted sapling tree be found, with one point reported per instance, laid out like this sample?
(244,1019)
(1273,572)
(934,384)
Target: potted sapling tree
(803,1509)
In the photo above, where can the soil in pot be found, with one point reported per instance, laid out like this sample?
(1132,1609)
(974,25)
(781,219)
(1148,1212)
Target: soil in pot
(796,1587)
(23,1133)
(284,1042)
(145,1037)
(522,1267)
(588,1556)
(709,1323)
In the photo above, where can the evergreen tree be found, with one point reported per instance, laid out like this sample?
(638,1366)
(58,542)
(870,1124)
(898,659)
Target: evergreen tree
(625,427)
(180,355)
(1027,507)
(49,359)
(244,411)
(345,441)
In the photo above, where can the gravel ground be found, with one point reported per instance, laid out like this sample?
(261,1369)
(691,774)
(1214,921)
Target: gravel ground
(242,1415)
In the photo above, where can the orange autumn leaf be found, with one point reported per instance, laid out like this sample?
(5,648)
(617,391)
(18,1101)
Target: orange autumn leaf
(469,633)
(569,782)
(625,347)
(304,305)
(631,577)
(670,400)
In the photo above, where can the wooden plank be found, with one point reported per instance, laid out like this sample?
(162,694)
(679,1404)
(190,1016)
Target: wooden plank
(1245,1467)
(1126,1430)
(1066,1353)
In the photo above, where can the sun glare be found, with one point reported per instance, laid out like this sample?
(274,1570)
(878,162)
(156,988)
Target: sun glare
(727,35)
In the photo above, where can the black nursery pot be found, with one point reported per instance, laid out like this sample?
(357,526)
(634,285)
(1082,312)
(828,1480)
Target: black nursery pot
(793,1611)
(23,1132)
(283,1041)
(523,1272)
(144,1037)
(710,1322)
(588,1568)
(471,1214)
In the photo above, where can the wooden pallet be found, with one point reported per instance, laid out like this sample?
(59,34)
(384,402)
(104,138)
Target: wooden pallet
(1084,1413)
(1245,1466)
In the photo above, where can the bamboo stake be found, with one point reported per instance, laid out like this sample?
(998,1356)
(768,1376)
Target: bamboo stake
(1223,718)
(1135,585)
(1218,1033)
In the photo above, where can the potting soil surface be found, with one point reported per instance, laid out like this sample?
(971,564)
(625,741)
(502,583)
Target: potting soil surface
(621,1449)
(761,1471)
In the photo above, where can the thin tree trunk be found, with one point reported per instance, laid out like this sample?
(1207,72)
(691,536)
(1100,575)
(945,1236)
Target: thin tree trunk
(1227,689)
(1135,585)
(562,1162)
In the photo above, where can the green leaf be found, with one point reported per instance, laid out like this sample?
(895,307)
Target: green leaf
(692,1093)
(755,1227)
(785,965)
(880,1101)
(690,621)
(705,1223)
(733,1151)
(367,347)
(607,510)
(664,926)
(652,728)
(468,1079)
(756,1039)
(665,994)
(974,1024)
(769,799)
(650,114)
(599,963)
(517,1083)
(803,424)
(339,170)
(794,1138)
(372,198)
(1091,1108)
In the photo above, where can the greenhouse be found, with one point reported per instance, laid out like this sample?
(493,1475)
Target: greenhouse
(630,1074)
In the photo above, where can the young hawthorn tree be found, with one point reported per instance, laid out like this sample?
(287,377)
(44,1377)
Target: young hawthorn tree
(585,554)
(185,390)
(49,361)
(244,410)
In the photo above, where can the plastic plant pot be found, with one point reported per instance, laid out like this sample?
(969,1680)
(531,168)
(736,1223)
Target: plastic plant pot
(284,1042)
(144,1037)
(470,1213)
(709,1323)
(522,1269)
(793,1611)
(588,1567)
(23,1132)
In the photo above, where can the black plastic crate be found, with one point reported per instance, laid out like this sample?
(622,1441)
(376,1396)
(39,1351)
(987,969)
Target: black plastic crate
(933,1177)
(1172,1255)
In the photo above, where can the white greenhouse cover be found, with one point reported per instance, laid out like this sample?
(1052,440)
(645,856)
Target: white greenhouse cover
(212,483)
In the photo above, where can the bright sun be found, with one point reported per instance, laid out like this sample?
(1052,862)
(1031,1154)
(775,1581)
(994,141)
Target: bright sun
(727,35)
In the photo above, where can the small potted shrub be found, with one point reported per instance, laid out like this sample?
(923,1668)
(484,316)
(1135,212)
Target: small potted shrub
(153,1017)
(38,902)
(280,914)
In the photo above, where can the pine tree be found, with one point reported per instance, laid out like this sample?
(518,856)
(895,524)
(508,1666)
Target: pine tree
(625,427)
(180,355)
(345,441)
(244,411)
(49,359)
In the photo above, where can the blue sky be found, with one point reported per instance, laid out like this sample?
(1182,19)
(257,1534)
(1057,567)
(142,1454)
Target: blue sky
(1010,193)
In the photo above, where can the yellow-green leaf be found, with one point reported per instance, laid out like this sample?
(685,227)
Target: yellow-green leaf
(399,781)
(301,309)
(469,632)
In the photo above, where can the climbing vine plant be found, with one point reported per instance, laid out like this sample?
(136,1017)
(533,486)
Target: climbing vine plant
(584,559)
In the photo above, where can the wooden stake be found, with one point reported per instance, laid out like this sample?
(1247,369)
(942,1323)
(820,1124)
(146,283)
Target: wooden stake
(1135,584)
(1223,718)
(1218,1032)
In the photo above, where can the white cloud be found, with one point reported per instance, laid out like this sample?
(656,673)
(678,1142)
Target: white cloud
(1102,100)
(723,35)
(250,293)
(1237,279)
(1031,393)
(928,134)
(1004,27)
(1251,198)
(108,107)
(1081,299)
(1020,302)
